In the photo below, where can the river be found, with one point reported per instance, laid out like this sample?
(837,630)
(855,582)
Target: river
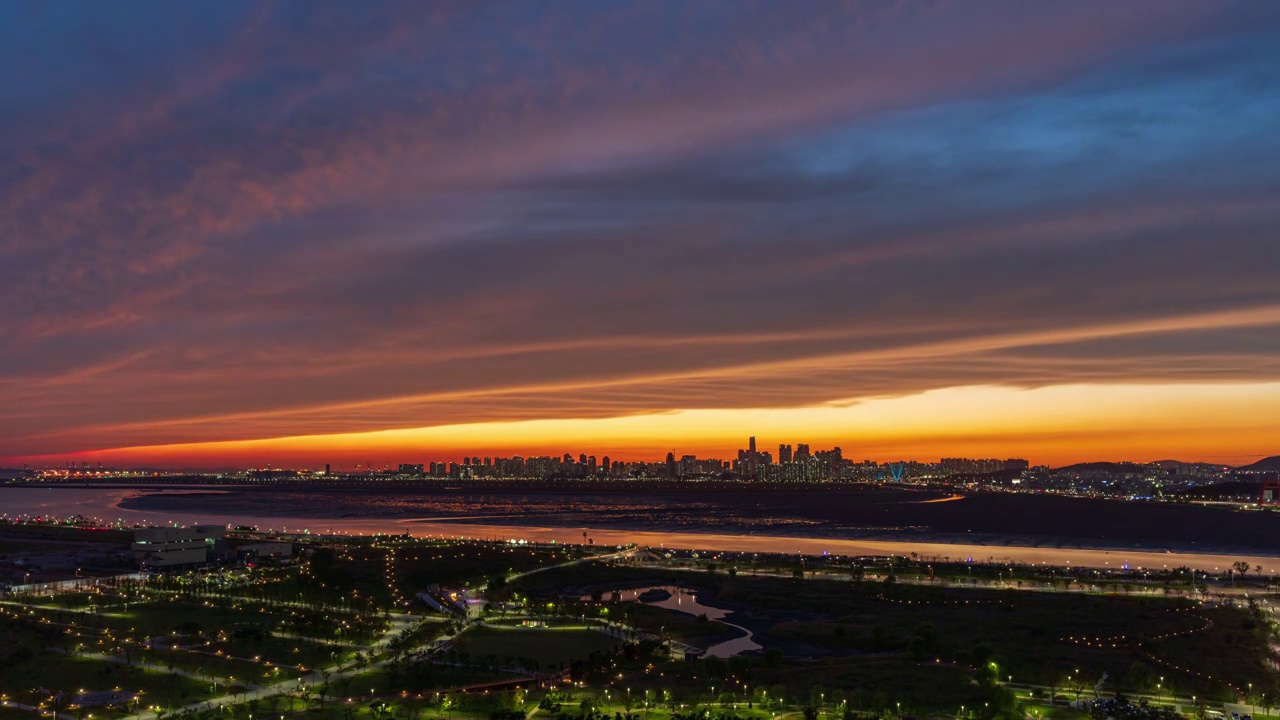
(206,505)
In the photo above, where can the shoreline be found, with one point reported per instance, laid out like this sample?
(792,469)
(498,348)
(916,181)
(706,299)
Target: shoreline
(1063,552)
(500,524)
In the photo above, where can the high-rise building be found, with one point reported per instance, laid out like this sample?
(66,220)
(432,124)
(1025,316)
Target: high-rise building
(784,453)
(751,445)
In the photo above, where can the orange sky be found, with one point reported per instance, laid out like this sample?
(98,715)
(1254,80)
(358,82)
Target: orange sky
(1047,232)
(1230,423)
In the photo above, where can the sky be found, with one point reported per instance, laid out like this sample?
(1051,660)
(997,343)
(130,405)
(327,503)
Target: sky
(252,233)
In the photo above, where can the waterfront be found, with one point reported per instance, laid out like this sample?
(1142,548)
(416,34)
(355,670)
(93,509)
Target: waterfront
(264,510)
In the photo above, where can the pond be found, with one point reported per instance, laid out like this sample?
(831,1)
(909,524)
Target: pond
(684,600)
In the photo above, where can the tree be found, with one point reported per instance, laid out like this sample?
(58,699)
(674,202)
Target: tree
(917,648)
(928,633)
(985,674)
(1270,699)
(1141,677)
(380,710)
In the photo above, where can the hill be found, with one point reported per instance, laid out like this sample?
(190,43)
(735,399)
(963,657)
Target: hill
(1115,468)
(1268,464)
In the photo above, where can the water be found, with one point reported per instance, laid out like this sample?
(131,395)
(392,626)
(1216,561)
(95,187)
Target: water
(1069,532)
(686,601)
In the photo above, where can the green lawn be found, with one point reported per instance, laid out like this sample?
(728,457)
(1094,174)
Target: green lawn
(61,673)
(1035,637)
(415,678)
(12,713)
(163,617)
(220,667)
(550,647)
(284,651)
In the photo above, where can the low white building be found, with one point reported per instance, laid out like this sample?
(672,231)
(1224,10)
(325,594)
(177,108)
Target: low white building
(265,551)
(164,547)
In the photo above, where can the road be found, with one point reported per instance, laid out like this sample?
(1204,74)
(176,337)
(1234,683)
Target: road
(400,622)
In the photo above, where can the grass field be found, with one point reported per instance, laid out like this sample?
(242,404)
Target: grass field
(1033,637)
(283,651)
(416,678)
(879,648)
(22,679)
(379,570)
(549,647)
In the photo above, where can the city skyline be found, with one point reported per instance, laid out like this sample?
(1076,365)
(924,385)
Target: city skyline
(744,462)
(234,234)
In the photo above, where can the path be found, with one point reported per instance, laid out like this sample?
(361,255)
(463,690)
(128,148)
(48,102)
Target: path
(154,667)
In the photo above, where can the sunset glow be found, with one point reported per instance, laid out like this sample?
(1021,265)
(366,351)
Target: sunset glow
(304,235)
(1056,424)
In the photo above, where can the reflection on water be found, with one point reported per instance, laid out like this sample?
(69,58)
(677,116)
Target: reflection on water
(686,601)
(681,600)
(104,504)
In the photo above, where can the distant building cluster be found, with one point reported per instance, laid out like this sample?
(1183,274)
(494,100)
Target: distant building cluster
(965,466)
(796,463)
(793,463)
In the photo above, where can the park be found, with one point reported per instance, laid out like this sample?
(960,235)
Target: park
(399,627)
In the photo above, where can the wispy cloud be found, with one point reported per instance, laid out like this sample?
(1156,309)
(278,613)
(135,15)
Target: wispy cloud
(303,220)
